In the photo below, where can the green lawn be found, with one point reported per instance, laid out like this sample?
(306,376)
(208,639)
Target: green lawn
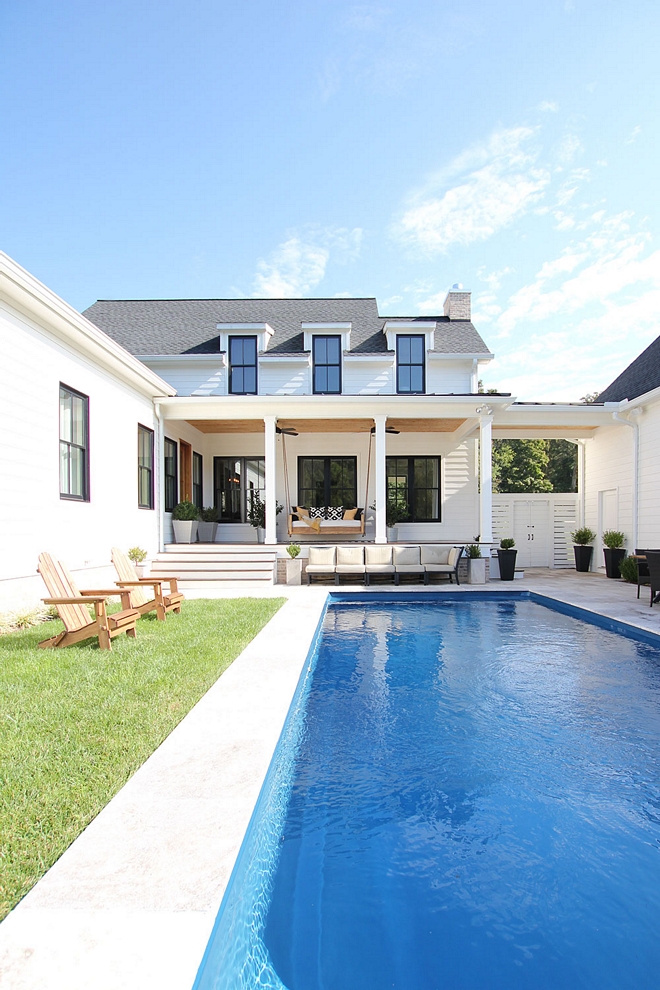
(76,723)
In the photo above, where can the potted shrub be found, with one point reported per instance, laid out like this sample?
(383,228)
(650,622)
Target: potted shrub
(394,514)
(138,556)
(184,520)
(293,564)
(208,525)
(257,514)
(506,557)
(582,538)
(613,552)
(476,564)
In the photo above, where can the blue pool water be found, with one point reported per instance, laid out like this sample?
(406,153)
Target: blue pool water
(466,796)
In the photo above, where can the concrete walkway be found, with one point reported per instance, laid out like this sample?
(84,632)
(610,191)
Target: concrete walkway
(131,904)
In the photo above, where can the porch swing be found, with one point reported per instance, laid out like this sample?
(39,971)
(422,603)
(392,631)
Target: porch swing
(327,527)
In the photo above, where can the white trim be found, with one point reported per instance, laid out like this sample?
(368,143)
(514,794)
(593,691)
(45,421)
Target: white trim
(285,358)
(387,357)
(455,356)
(186,358)
(262,331)
(407,329)
(312,330)
(22,291)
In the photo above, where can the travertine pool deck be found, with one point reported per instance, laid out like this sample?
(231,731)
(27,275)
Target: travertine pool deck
(131,904)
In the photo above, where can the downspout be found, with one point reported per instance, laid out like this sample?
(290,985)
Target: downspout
(635,485)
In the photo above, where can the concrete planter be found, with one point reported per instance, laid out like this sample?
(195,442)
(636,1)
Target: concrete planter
(261,534)
(293,570)
(476,570)
(185,530)
(391,534)
(206,531)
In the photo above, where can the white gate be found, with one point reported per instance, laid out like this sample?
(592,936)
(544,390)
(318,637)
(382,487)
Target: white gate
(541,525)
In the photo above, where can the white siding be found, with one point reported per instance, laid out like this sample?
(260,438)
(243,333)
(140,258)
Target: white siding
(192,377)
(368,378)
(554,518)
(284,378)
(649,478)
(609,468)
(446,377)
(33,517)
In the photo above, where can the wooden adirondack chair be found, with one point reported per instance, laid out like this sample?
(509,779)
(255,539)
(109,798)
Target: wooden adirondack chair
(138,587)
(73,611)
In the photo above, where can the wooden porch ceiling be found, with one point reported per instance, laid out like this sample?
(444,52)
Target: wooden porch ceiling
(434,425)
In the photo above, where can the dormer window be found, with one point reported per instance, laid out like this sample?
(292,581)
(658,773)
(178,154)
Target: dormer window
(326,357)
(242,365)
(410,370)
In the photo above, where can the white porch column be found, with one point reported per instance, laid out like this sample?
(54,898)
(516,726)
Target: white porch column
(485,414)
(381,480)
(270,444)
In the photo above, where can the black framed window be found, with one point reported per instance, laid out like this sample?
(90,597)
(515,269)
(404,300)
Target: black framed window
(145,467)
(326,357)
(74,444)
(171,474)
(327,481)
(413,485)
(235,482)
(197,480)
(410,367)
(243,365)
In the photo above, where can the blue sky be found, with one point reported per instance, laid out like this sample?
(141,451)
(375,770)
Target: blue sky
(327,148)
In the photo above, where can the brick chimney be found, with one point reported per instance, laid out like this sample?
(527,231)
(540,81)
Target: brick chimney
(457,303)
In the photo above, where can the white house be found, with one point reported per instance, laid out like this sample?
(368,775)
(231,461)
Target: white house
(79,427)
(622,462)
(113,416)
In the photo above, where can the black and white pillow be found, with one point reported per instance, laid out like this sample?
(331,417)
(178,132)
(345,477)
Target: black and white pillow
(335,512)
(317,512)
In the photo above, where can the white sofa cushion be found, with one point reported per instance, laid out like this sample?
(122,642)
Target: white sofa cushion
(377,555)
(321,558)
(406,557)
(350,557)
(432,554)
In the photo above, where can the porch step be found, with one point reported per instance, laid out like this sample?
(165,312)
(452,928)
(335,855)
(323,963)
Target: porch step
(205,566)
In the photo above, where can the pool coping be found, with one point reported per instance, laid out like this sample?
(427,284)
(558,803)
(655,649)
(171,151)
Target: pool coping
(149,873)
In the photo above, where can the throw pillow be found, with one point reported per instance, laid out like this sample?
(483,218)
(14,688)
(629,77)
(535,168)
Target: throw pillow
(350,513)
(317,512)
(335,512)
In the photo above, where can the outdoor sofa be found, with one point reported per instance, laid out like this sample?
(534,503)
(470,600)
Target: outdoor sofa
(389,561)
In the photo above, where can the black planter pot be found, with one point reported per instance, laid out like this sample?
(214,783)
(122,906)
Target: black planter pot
(583,555)
(612,560)
(507,561)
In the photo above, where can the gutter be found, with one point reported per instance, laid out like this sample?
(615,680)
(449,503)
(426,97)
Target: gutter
(634,425)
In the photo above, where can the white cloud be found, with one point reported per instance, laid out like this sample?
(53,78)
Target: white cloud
(298,264)
(548,106)
(493,184)
(634,134)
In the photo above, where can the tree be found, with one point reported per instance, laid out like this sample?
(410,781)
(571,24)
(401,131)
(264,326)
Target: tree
(590,397)
(520,466)
(562,465)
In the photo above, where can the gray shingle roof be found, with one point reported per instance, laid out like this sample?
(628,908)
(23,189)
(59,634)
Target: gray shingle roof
(189,326)
(641,376)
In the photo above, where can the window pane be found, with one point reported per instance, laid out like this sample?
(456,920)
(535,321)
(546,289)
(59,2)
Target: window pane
(64,469)
(417,350)
(332,379)
(235,350)
(416,379)
(320,350)
(249,380)
(404,349)
(77,469)
(404,379)
(65,415)
(321,382)
(334,350)
(78,420)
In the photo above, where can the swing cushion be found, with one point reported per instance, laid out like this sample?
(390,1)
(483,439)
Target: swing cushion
(349,514)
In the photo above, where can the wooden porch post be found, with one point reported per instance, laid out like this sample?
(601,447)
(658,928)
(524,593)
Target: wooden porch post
(381,479)
(485,414)
(270,442)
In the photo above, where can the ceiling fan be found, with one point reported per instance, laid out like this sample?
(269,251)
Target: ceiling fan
(287,431)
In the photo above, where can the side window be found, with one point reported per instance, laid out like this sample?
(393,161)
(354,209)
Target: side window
(326,357)
(74,444)
(410,371)
(171,474)
(243,365)
(145,467)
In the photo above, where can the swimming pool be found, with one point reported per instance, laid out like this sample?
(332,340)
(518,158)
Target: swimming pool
(466,794)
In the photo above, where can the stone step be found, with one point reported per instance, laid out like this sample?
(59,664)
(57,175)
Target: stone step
(213,560)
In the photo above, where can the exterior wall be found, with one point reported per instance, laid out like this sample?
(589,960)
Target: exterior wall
(294,377)
(33,517)
(609,468)
(649,477)
(542,530)
(459,492)
(443,377)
